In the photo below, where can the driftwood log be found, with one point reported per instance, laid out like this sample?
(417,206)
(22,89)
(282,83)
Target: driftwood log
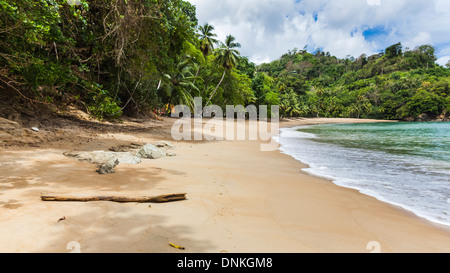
(112,198)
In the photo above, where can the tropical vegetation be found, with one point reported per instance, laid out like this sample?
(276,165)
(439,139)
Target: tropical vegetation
(394,84)
(135,57)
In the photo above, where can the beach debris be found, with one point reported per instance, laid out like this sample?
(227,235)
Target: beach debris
(108,167)
(176,246)
(62,219)
(112,198)
(150,151)
(35,129)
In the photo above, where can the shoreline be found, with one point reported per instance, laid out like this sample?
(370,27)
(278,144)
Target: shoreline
(442,225)
(407,212)
(240,200)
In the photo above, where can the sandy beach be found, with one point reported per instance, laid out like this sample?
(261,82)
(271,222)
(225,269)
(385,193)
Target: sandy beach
(240,200)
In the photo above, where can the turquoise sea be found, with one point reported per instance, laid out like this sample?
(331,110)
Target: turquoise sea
(405,164)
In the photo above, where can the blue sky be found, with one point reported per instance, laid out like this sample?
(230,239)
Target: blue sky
(375,33)
(267,29)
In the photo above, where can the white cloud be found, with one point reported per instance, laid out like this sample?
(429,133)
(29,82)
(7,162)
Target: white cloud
(422,38)
(269,28)
(443,60)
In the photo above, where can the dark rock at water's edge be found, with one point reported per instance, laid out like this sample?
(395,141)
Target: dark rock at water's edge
(427,118)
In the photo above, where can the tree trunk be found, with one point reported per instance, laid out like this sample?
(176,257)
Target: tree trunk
(159,85)
(217,87)
(196,75)
(195,78)
(120,199)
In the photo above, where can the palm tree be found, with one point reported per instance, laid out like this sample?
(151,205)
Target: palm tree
(206,37)
(289,104)
(179,83)
(227,57)
(207,42)
(319,92)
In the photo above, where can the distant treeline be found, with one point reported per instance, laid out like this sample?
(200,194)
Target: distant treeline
(394,84)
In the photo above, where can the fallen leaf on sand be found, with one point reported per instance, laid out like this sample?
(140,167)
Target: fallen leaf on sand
(176,246)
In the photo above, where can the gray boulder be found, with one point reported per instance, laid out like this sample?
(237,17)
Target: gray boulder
(100,157)
(128,158)
(150,151)
(165,144)
(108,167)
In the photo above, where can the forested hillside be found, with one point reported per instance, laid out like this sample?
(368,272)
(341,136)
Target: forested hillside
(137,57)
(394,84)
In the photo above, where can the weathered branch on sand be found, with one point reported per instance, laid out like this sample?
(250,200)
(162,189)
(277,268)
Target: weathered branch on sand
(112,198)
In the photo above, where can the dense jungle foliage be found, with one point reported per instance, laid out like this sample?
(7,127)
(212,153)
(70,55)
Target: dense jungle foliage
(135,57)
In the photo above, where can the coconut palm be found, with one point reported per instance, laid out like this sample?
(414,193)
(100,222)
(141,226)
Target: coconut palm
(289,104)
(227,58)
(180,83)
(207,40)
